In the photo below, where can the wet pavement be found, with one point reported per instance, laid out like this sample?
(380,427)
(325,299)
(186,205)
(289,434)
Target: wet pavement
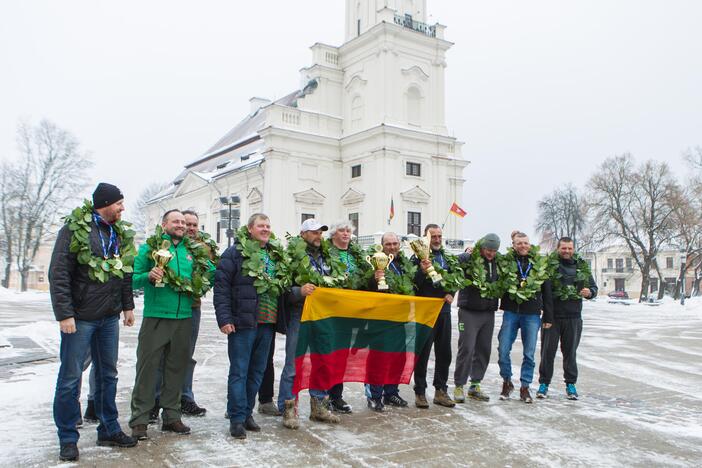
(640,380)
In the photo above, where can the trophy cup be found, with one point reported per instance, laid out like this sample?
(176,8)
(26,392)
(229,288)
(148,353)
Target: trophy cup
(421,248)
(379,261)
(162,257)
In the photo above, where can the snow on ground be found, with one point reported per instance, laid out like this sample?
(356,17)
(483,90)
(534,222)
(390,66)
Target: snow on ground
(640,375)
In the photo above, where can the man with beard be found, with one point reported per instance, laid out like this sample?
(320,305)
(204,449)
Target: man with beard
(572,282)
(167,326)
(87,305)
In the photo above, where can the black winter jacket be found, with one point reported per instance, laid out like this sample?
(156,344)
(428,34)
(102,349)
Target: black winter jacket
(73,293)
(542,301)
(572,308)
(235,298)
(424,285)
(295,301)
(469,298)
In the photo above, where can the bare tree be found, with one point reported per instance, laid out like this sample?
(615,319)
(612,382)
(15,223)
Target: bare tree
(634,205)
(138,215)
(688,219)
(7,220)
(561,213)
(49,175)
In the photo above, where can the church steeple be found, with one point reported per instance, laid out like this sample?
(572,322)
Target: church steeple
(361,15)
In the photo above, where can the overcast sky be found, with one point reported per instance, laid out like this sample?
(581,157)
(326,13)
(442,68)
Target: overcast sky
(541,91)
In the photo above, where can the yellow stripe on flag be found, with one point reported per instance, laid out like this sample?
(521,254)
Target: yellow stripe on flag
(326,303)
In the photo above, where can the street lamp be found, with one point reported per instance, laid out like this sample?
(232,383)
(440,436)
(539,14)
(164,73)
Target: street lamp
(683,259)
(231,215)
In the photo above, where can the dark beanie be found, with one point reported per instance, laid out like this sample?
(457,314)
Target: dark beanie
(106,194)
(490,241)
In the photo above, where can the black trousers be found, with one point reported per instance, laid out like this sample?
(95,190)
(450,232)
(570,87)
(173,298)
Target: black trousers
(568,332)
(440,338)
(265,392)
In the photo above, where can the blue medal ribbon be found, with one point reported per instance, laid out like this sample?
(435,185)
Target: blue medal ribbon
(523,274)
(106,251)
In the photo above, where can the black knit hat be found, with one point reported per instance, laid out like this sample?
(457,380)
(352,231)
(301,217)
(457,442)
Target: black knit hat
(106,194)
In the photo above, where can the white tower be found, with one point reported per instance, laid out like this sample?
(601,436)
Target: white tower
(362,15)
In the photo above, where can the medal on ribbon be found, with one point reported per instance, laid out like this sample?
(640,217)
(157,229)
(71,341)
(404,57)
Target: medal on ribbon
(522,273)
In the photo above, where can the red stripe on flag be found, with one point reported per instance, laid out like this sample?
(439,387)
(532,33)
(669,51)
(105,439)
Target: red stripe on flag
(323,371)
(457,210)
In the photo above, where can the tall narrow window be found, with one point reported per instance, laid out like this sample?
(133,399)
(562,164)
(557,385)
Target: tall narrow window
(414,223)
(414,106)
(355,171)
(669,262)
(353,218)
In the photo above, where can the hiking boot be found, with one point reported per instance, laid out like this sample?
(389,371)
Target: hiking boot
(190,408)
(117,440)
(68,452)
(139,432)
(525,396)
(320,412)
(571,392)
(441,398)
(250,425)
(420,401)
(476,393)
(153,414)
(376,404)
(176,426)
(89,416)
(507,389)
(236,430)
(542,392)
(340,406)
(395,400)
(458,395)
(269,409)
(290,419)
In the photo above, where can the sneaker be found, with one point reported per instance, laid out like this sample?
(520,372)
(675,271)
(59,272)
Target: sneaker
(190,408)
(250,425)
(117,440)
(376,404)
(420,401)
(68,452)
(395,400)
(139,432)
(269,409)
(176,426)
(89,416)
(441,398)
(153,414)
(476,393)
(542,392)
(237,430)
(525,396)
(458,395)
(340,406)
(507,389)
(571,392)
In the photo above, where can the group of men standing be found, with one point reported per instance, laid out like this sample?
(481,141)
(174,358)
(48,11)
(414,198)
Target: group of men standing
(260,288)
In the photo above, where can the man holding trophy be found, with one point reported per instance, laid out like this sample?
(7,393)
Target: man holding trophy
(173,270)
(394,274)
(430,257)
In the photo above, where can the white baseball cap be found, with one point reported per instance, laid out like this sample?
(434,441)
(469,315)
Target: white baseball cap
(312,224)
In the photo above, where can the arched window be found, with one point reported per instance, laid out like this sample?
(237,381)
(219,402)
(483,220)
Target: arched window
(356,112)
(414,106)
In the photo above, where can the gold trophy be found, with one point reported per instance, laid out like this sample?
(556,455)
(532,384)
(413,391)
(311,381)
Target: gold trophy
(162,257)
(421,248)
(379,261)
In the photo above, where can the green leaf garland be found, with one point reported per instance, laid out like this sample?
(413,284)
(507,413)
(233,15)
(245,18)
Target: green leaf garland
(452,278)
(399,284)
(302,270)
(476,275)
(507,269)
(80,224)
(255,266)
(357,279)
(569,292)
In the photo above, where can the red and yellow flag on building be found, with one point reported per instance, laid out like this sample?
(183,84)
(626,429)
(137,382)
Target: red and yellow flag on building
(357,336)
(457,210)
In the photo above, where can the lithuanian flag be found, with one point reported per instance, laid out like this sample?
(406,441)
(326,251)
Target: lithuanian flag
(357,336)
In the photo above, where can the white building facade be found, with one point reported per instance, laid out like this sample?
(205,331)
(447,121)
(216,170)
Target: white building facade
(365,130)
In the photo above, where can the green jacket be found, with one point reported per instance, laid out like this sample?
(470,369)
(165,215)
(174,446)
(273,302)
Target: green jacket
(164,302)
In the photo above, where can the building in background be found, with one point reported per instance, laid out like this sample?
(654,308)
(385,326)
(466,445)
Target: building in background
(364,139)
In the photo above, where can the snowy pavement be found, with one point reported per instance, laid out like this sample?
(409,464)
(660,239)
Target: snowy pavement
(640,381)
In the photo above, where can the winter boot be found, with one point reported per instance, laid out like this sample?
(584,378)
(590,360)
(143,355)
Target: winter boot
(319,411)
(420,401)
(525,396)
(441,398)
(542,392)
(269,409)
(507,389)
(290,419)
(89,416)
(68,452)
(458,394)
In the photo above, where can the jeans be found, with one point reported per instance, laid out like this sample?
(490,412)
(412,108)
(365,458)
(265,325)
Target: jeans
(91,378)
(102,338)
(377,391)
(187,391)
(287,377)
(529,325)
(248,355)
